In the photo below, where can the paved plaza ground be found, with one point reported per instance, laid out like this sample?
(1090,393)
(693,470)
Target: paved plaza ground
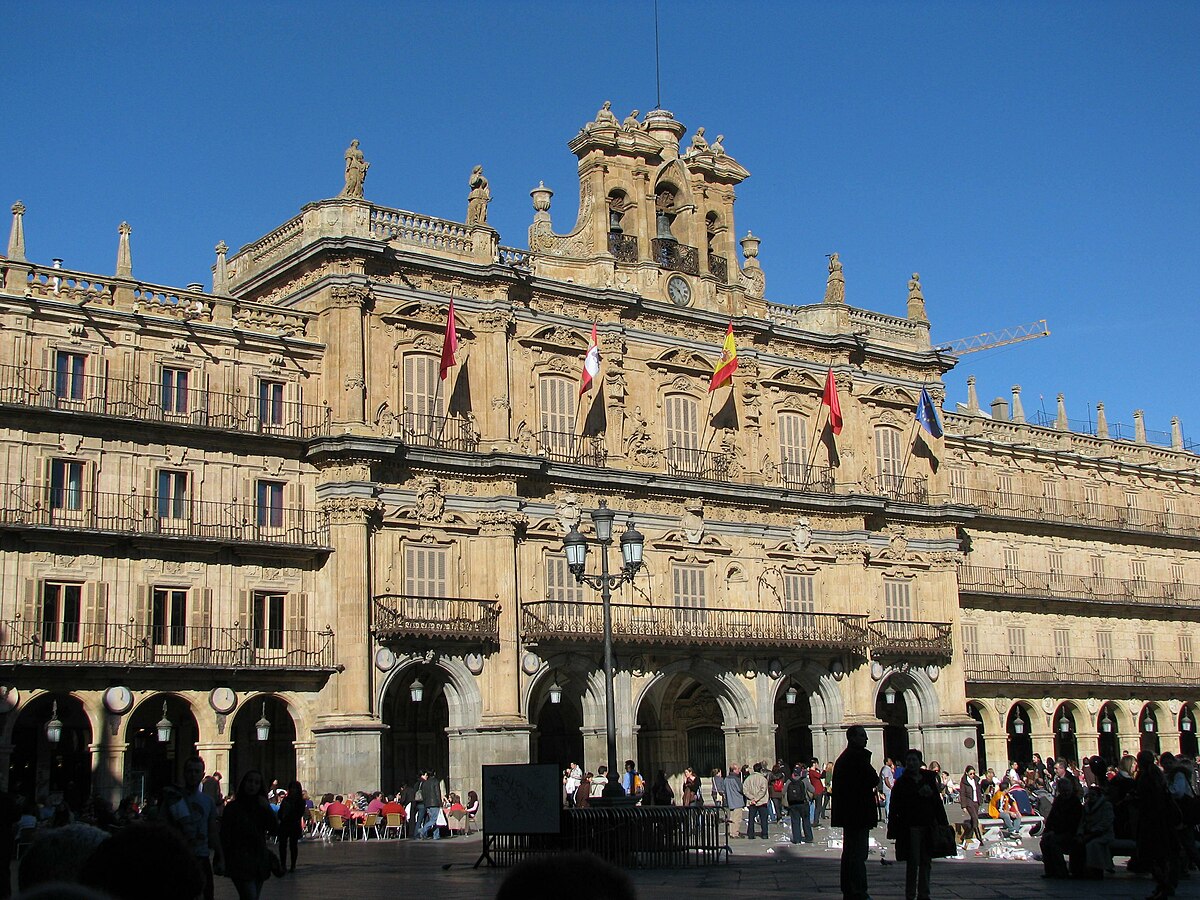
(443,869)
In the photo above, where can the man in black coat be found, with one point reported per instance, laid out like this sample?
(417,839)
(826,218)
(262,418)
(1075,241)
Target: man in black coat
(855,810)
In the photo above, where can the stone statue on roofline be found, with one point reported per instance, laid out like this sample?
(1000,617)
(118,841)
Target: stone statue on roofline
(699,144)
(631,122)
(835,287)
(356,171)
(478,199)
(717,147)
(605,117)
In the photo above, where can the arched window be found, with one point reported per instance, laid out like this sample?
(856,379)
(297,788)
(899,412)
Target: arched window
(621,244)
(717,264)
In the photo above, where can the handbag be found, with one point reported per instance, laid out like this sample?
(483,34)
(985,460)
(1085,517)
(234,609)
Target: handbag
(942,842)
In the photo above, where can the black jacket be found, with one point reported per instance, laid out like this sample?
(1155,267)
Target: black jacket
(854,783)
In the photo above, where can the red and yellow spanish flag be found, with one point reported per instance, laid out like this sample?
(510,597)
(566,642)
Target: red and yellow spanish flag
(727,364)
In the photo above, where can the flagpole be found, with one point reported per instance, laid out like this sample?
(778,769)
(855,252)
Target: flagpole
(708,418)
(812,457)
(912,437)
(437,393)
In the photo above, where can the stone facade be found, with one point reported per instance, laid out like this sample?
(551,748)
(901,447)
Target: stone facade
(262,503)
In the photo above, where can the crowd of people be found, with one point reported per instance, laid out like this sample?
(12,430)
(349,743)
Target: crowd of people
(172,844)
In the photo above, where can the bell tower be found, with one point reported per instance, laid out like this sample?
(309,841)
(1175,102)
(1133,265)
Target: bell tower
(651,219)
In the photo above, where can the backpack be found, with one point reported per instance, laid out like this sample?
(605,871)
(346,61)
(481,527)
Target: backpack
(639,784)
(798,792)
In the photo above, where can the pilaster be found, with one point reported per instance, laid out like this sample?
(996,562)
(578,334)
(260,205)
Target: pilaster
(108,770)
(345,378)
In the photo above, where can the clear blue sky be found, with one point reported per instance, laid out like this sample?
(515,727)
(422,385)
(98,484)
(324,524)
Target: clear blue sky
(1028,159)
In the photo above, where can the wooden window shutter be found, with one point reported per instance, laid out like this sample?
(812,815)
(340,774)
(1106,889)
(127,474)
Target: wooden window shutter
(297,623)
(30,605)
(201,621)
(245,619)
(95,619)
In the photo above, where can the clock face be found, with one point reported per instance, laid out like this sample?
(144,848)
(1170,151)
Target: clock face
(223,700)
(679,290)
(118,700)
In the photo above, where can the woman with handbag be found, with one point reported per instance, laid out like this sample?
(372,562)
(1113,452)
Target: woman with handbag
(691,789)
(917,823)
(244,827)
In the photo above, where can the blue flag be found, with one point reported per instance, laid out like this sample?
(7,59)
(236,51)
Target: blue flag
(927,415)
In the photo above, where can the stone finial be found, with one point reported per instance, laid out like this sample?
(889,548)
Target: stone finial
(750,248)
(1139,426)
(124,257)
(1018,411)
(16,237)
(916,300)
(835,286)
(1000,409)
(1060,418)
(479,198)
(221,270)
(1101,422)
(356,171)
(1176,434)
(972,397)
(541,202)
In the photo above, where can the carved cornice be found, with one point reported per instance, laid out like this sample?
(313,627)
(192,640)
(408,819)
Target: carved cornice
(502,522)
(351,510)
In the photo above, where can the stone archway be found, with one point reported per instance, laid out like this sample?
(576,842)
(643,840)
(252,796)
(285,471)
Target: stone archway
(39,767)
(558,737)
(151,763)
(1188,744)
(416,711)
(276,756)
(1108,733)
(1019,725)
(978,711)
(1066,743)
(810,727)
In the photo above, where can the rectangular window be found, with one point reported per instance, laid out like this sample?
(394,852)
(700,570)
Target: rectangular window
(1145,646)
(269,505)
(683,436)
(888,460)
(62,605)
(1097,566)
(167,617)
(1056,564)
(66,485)
(897,600)
(798,593)
(270,402)
(69,371)
(1012,559)
(1137,569)
(172,494)
(1004,487)
(268,621)
(958,485)
(422,395)
(1177,573)
(1185,647)
(1062,643)
(970,638)
(1091,498)
(561,587)
(1050,495)
(793,448)
(689,592)
(174,391)
(425,570)
(1104,644)
(556,405)
(1016,640)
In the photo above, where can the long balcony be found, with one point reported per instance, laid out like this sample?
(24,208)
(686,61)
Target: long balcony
(889,638)
(439,432)
(565,447)
(676,257)
(999,668)
(99,395)
(401,618)
(550,622)
(71,643)
(903,488)
(1032,508)
(706,465)
(30,506)
(810,479)
(1019,583)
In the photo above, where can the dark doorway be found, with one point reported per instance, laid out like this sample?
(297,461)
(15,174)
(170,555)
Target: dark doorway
(559,736)
(1188,745)
(891,706)
(276,756)
(981,765)
(793,728)
(39,768)
(1020,741)
(416,738)
(706,749)
(152,764)
(1108,739)
(1065,744)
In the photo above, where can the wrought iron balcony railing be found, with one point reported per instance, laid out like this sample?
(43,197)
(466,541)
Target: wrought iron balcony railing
(441,432)
(565,447)
(999,668)
(677,257)
(28,505)
(1030,507)
(707,465)
(401,617)
(549,621)
(906,489)
(718,266)
(810,479)
(99,395)
(624,247)
(901,638)
(1083,588)
(66,642)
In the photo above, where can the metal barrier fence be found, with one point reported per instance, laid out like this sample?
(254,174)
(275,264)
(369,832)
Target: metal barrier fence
(629,836)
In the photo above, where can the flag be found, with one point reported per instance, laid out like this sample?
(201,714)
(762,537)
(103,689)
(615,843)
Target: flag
(449,343)
(830,399)
(727,364)
(927,415)
(591,364)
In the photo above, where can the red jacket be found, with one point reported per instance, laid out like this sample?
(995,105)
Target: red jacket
(818,785)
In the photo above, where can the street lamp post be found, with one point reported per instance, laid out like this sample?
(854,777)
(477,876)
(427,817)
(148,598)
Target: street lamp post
(575,545)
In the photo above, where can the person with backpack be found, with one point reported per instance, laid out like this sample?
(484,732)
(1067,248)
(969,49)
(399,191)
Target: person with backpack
(799,797)
(632,780)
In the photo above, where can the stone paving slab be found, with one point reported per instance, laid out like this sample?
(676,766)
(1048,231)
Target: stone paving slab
(434,869)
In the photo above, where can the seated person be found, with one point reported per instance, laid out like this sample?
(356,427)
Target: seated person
(338,808)
(394,807)
(1002,807)
(1020,796)
(375,804)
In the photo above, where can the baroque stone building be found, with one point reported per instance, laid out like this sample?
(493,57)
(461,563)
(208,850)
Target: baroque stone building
(257,521)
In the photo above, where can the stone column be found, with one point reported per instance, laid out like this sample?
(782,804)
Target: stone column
(216,758)
(342,331)
(108,770)
(306,761)
(347,734)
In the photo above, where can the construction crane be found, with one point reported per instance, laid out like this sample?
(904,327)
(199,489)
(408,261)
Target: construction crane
(990,340)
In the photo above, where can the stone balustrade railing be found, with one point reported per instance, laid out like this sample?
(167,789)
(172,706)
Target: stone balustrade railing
(426,232)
